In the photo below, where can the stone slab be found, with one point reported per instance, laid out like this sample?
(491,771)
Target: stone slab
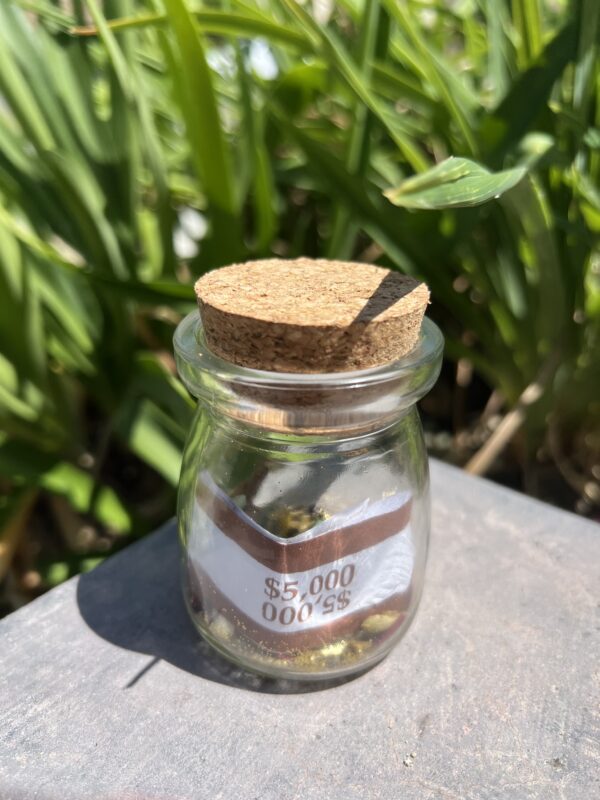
(107,693)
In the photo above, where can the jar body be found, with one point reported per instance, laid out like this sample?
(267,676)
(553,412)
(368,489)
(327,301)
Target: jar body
(303,508)
(303,555)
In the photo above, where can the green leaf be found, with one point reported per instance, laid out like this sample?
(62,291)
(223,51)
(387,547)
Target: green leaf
(353,78)
(527,20)
(533,222)
(21,323)
(398,84)
(17,91)
(152,381)
(26,464)
(152,435)
(441,76)
(587,75)
(18,397)
(54,573)
(503,128)
(72,77)
(256,156)
(80,489)
(453,183)
(14,511)
(31,61)
(144,292)
(380,221)
(209,150)
(71,302)
(592,138)
(47,11)
(135,95)
(374,28)
(114,52)
(498,46)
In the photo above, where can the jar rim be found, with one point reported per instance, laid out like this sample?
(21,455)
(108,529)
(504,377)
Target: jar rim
(192,349)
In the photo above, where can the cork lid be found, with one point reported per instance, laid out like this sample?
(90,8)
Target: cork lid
(310,315)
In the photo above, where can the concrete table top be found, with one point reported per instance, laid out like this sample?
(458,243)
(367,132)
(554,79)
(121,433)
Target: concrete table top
(106,691)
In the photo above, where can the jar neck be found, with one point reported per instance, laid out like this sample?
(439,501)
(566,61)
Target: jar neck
(302,439)
(341,404)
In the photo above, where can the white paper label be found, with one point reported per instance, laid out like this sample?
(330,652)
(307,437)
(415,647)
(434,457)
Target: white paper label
(319,592)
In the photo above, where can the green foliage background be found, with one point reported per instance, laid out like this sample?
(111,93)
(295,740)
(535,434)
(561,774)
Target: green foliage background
(289,132)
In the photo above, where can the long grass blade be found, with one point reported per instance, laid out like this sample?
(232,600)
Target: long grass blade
(352,77)
(357,156)
(133,91)
(438,75)
(503,128)
(527,20)
(204,130)
(586,67)
(498,46)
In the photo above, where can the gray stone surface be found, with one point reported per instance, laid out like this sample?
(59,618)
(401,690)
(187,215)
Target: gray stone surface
(107,693)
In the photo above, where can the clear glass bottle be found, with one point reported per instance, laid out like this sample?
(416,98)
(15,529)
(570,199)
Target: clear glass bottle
(304,508)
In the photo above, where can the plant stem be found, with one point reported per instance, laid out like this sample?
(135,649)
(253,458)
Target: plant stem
(481,462)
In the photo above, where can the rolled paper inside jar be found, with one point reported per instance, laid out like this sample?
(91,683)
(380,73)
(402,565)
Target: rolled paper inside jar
(342,578)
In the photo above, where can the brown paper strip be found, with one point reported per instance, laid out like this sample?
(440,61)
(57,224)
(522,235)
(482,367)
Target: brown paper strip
(286,556)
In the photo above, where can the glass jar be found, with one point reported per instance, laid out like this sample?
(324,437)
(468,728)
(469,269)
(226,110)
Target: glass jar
(303,508)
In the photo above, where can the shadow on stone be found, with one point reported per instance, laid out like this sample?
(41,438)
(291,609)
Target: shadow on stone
(135,602)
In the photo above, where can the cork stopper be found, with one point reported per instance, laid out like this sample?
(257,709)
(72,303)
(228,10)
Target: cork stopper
(310,315)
